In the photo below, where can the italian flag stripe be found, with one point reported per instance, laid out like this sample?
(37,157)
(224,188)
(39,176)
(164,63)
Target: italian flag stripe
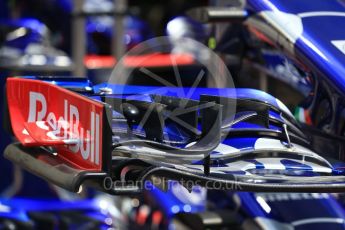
(299,114)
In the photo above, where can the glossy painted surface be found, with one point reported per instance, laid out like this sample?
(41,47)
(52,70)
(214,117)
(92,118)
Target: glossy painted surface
(45,114)
(314,29)
(195,93)
(232,146)
(69,82)
(171,202)
(316,48)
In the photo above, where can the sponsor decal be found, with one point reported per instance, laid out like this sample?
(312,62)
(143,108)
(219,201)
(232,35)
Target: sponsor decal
(85,141)
(43,114)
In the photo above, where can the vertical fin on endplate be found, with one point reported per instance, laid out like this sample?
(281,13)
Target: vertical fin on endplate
(211,123)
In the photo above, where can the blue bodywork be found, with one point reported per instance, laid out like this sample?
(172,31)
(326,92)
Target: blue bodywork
(320,45)
(193,94)
(282,207)
(314,47)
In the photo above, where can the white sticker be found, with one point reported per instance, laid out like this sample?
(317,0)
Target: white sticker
(340,44)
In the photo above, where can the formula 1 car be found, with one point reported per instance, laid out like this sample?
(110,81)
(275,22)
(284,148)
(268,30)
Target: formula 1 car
(234,137)
(258,209)
(297,43)
(238,139)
